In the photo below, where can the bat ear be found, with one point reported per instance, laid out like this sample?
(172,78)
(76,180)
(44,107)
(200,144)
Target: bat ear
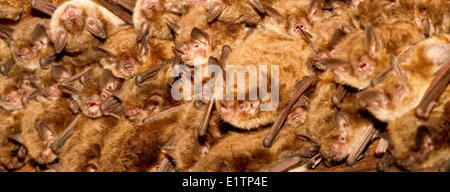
(95,27)
(257,5)
(57,71)
(62,36)
(174,27)
(424,140)
(145,49)
(215,8)
(106,78)
(213,61)
(174,7)
(373,44)
(199,35)
(226,51)
(341,120)
(16,137)
(338,65)
(6,33)
(6,67)
(104,53)
(373,98)
(40,34)
(274,14)
(315,10)
(142,28)
(45,132)
(398,70)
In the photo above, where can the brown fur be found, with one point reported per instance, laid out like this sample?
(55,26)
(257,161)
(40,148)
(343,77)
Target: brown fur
(123,46)
(237,11)
(394,38)
(86,143)
(402,133)
(188,146)
(138,148)
(243,151)
(55,114)
(158,27)
(268,48)
(320,121)
(22,39)
(419,67)
(80,40)
(9,159)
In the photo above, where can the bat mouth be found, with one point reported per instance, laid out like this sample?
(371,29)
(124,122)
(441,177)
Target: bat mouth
(129,68)
(93,108)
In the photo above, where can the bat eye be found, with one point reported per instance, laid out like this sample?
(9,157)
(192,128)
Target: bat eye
(103,96)
(341,139)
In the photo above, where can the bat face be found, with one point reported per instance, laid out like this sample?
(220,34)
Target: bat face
(123,55)
(197,48)
(17,94)
(153,18)
(142,102)
(345,130)
(404,87)
(76,25)
(29,41)
(360,64)
(96,87)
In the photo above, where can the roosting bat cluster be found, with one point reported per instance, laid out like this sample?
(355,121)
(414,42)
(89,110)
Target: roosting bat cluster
(87,85)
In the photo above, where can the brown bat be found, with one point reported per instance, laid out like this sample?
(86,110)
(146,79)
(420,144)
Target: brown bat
(14,154)
(235,11)
(132,147)
(156,18)
(418,144)
(308,20)
(431,16)
(17,89)
(77,25)
(381,12)
(249,156)
(151,97)
(193,140)
(416,82)
(43,128)
(343,131)
(85,144)
(361,56)
(196,39)
(29,41)
(126,58)
(93,92)
(293,81)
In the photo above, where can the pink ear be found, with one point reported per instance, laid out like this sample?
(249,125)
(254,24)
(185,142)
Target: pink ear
(252,106)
